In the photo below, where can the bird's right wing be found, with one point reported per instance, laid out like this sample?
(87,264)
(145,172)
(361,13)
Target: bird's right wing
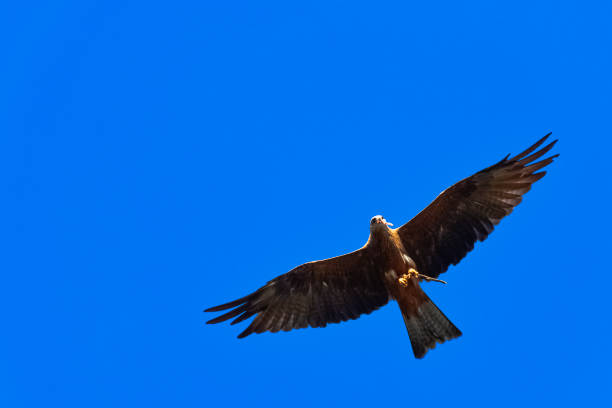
(312,294)
(447,229)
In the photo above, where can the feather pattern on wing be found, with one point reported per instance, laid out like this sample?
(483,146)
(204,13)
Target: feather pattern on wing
(312,294)
(446,230)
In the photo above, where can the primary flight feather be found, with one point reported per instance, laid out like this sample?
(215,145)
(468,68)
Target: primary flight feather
(393,262)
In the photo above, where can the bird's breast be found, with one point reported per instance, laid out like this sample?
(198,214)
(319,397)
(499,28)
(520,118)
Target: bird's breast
(397,263)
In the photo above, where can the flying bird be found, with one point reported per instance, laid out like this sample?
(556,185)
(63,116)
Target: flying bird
(393,262)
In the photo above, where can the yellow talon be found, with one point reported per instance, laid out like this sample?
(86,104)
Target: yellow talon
(413,273)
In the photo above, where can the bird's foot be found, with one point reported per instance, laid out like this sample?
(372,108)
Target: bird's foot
(413,273)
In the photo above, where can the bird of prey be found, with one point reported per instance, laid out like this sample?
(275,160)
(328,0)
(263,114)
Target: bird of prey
(393,262)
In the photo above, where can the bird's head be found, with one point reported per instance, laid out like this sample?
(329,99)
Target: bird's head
(378,222)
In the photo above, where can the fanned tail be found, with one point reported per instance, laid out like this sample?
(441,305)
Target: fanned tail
(427,326)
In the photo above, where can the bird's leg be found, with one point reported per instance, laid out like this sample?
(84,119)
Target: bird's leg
(413,273)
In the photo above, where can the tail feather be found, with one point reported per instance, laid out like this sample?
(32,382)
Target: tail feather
(427,327)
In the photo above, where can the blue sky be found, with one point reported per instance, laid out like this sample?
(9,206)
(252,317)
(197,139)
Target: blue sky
(161,159)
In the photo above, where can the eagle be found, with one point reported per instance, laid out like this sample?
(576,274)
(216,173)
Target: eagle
(394,262)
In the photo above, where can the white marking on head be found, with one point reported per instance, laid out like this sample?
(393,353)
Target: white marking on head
(379,219)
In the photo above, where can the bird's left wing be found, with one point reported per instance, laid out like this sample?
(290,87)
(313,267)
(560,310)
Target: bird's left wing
(313,294)
(447,229)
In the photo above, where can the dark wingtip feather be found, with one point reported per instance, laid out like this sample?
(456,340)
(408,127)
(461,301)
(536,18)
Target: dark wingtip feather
(231,314)
(245,333)
(532,148)
(242,317)
(218,308)
(227,305)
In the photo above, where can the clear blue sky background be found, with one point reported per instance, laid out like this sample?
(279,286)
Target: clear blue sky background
(163,158)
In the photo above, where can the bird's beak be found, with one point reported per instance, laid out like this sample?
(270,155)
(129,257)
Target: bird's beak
(388,223)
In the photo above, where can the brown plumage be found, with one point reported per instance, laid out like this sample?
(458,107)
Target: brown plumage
(393,262)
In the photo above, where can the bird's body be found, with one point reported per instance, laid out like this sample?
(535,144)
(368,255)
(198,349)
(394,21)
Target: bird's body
(393,262)
(425,323)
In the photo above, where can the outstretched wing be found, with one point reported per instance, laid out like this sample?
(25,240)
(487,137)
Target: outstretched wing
(312,294)
(446,230)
